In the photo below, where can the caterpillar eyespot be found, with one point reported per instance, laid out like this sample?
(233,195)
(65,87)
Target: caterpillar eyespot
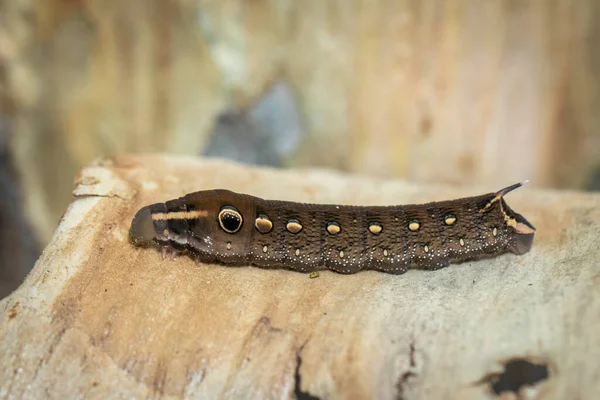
(346,239)
(230,219)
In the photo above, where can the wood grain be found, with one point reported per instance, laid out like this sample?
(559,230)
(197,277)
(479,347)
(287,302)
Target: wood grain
(98,317)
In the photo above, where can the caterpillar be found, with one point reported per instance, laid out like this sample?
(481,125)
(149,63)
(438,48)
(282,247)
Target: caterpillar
(221,226)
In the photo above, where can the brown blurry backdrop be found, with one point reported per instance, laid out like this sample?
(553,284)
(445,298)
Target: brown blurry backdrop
(462,92)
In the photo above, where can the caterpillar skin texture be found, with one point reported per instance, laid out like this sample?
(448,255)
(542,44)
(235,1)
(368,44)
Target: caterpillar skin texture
(220,226)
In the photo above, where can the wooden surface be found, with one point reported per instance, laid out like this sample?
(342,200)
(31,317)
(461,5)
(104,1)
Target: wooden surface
(461,92)
(98,318)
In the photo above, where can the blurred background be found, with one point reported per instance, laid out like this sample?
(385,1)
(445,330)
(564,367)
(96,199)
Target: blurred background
(452,91)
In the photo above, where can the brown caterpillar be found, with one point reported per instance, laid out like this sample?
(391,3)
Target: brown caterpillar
(237,229)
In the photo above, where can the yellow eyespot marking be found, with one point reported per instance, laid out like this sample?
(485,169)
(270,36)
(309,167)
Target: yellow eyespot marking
(494,231)
(230,219)
(414,225)
(180,215)
(385,253)
(265,248)
(375,228)
(297,252)
(450,219)
(166,232)
(263,224)
(342,254)
(462,242)
(333,228)
(293,226)
(228,245)
(314,275)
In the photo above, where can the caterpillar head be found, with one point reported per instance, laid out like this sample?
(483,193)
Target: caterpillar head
(142,231)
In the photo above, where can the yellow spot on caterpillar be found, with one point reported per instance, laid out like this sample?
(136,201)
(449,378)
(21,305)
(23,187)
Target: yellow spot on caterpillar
(263,224)
(494,231)
(462,242)
(426,248)
(293,226)
(342,254)
(385,253)
(297,252)
(166,232)
(228,245)
(375,228)
(180,215)
(450,219)
(314,275)
(265,248)
(333,228)
(414,225)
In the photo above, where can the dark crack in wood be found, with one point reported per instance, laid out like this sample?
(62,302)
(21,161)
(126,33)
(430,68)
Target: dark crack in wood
(298,393)
(407,375)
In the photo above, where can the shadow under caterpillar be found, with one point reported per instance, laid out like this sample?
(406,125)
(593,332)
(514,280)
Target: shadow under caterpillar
(221,226)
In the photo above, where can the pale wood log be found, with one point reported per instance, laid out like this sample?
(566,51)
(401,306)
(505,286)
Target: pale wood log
(98,318)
